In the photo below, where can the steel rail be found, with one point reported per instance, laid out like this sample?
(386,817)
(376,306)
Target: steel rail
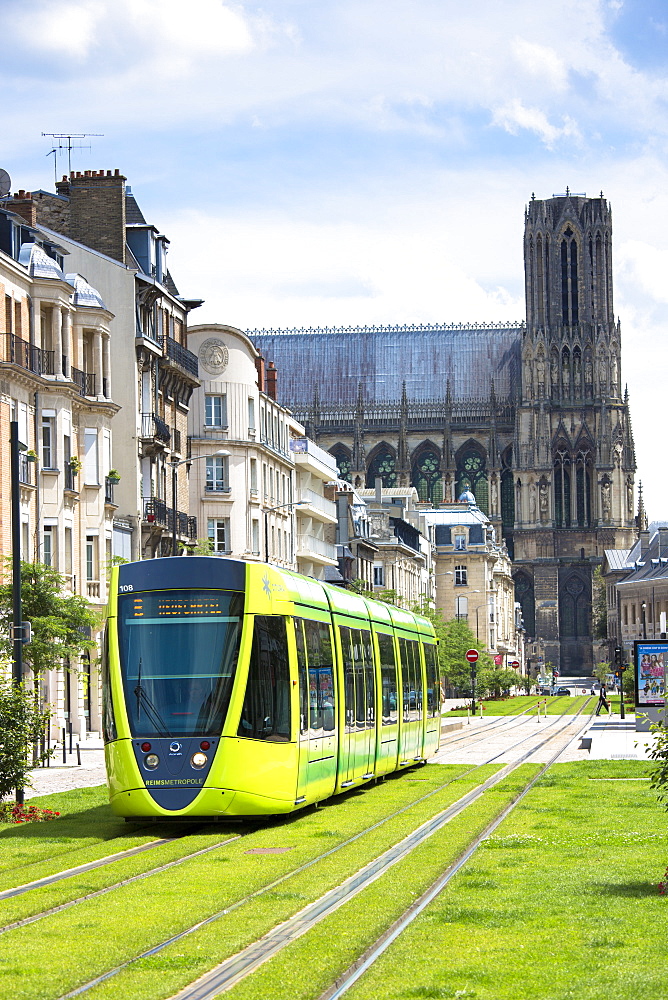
(230,972)
(216,916)
(373,953)
(118,885)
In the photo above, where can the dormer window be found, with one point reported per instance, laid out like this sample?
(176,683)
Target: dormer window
(460,542)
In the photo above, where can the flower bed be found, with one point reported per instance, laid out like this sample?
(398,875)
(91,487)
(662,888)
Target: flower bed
(11,812)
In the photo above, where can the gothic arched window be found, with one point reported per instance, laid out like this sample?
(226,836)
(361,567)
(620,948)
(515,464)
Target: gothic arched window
(507,492)
(382,466)
(525,595)
(562,490)
(343,461)
(574,608)
(569,278)
(583,489)
(427,477)
(472,475)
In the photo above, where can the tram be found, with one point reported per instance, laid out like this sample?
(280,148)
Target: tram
(237,689)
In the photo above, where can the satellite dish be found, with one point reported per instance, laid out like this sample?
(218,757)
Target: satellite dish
(5,183)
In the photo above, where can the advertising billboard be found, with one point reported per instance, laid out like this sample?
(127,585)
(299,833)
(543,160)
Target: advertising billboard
(650,661)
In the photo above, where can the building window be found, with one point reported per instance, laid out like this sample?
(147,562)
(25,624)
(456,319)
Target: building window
(427,478)
(379,576)
(253,475)
(90,558)
(460,576)
(382,467)
(461,608)
(215,411)
(68,553)
(49,546)
(219,533)
(48,442)
(91,462)
(460,542)
(255,537)
(216,474)
(251,415)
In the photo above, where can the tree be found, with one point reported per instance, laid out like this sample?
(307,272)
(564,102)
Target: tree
(60,622)
(599,605)
(21,723)
(495,680)
(601,671)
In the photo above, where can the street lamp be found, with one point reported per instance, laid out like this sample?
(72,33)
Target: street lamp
(293,503)
(17,630)
(644,619)
(175,465)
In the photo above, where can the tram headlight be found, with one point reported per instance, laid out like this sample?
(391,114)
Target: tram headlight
(198,760)
(151,760)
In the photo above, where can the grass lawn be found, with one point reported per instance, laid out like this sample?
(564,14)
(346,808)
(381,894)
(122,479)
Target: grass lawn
(563,705)
(561,901)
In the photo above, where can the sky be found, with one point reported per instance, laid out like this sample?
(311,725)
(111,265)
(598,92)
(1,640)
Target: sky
(336,162)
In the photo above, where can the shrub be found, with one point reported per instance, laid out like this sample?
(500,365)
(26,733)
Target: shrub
(21,724)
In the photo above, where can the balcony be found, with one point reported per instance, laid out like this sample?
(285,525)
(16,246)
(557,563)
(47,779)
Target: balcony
(182,357)
(316,549)
(154,428)
(70,479)
(157,512)
(84,381)
(26,475)
(317,506)
(33,359)
(109,492)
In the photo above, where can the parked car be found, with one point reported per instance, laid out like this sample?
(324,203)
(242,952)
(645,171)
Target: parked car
(562,690)
(545,691)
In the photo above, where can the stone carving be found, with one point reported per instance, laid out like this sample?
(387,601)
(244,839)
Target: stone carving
(214,356)
(543,502)
(606,505)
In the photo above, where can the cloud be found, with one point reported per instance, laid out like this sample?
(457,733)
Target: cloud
(514,116)
(541,62)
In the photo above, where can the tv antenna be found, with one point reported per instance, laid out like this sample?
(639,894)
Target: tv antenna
(63,140)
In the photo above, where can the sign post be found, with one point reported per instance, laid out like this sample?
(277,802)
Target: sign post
(472,657)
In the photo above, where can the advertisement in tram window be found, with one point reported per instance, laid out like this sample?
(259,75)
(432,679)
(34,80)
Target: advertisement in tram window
(651,660)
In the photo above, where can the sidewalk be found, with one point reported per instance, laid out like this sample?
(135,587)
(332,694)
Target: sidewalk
(59,777)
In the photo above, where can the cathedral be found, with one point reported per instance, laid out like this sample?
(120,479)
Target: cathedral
(529,417)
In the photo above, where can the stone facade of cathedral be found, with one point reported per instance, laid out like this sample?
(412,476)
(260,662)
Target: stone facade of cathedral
(531,417)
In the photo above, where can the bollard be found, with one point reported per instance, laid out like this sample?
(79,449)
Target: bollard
(481,710)
(468,716)
(78,755)
(64,748)
(69,726)
(48,744)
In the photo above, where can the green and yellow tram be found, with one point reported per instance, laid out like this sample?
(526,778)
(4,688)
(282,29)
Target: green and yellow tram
(239,689)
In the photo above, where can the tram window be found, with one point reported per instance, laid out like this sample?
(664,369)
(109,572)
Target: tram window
(321,676)
(358,660)
(348,677)
(303,677)
(388,675)
(108,721)
(412,680)
(433,685)
(369,680)
(266,710)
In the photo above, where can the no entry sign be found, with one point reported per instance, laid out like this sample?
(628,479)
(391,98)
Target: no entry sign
(472,655)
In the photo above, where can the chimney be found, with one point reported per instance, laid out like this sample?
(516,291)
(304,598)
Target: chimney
(644,543)
(23,205)
(379,491)
(663,541)
(272,376)
(261,379)
(97,210)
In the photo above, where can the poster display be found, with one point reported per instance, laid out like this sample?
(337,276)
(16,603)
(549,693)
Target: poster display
(651,659)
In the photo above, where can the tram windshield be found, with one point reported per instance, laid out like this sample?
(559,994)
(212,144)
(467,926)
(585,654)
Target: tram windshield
(179,651)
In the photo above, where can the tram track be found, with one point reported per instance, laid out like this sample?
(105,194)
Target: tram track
(237,967)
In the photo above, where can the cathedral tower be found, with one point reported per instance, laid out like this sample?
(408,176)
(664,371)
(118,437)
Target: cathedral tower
(574,461)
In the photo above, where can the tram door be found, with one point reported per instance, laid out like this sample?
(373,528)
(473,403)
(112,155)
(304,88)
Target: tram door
(412,700)
(358,751)
(389,723)
(317,709)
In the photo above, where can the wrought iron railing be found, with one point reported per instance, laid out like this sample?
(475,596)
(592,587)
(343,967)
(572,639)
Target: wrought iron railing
(108,490)
(157,512)
(182,356)
(25,470)
(153,426)
(70,478)
(84,380)
(34,359)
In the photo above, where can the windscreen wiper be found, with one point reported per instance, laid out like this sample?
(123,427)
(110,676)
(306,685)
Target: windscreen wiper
(152,714)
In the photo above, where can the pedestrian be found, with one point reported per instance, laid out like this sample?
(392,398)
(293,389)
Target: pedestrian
(593,692)
(603,702)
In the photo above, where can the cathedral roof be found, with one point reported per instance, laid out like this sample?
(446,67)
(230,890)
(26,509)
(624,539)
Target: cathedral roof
(333,363)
